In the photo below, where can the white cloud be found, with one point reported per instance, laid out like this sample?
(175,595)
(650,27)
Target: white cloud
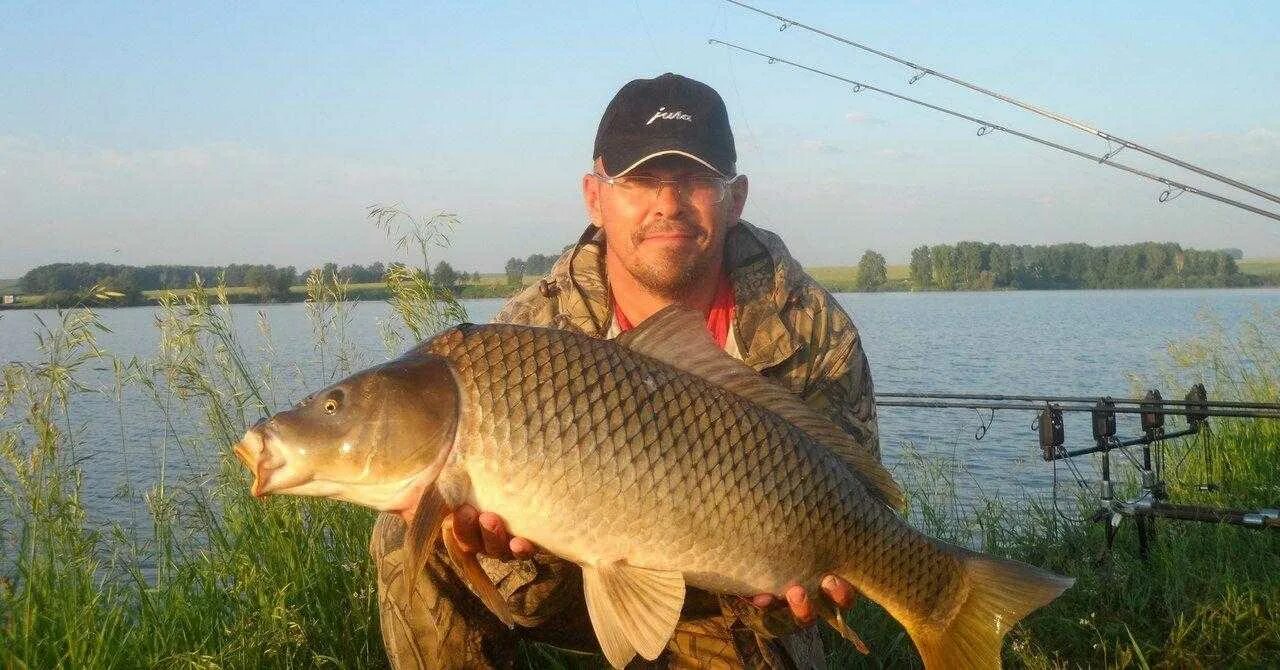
(1256,151)
(862,118)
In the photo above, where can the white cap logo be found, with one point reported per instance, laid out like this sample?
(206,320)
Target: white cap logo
(663,114)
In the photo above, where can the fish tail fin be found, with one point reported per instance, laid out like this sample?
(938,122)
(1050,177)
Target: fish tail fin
(999,593)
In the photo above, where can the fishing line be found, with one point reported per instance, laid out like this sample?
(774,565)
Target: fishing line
(989,126)
(984,423)
(645,24)
(1053,495)
(921,71)
(766,215)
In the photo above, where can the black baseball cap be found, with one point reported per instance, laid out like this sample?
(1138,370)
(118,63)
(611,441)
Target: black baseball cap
(668,114)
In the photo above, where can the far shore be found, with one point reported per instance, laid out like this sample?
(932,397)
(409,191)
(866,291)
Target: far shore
(834,278)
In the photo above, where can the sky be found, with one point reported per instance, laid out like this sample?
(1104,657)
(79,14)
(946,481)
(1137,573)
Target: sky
(220,133)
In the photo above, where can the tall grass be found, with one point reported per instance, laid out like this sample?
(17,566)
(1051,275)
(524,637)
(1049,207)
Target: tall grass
(216,579)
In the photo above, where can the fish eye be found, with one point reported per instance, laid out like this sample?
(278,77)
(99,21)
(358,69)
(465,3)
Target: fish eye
(334,401)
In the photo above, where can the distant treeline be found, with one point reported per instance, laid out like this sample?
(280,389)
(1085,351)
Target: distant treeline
(65,283)
(533,264)
(945,267)
(983,266)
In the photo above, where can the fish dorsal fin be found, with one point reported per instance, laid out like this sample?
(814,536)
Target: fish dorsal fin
(678,336)
(632,609)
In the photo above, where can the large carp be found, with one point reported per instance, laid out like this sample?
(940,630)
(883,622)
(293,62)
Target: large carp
(654,461)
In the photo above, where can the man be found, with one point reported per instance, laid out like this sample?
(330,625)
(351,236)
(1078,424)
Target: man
(664,199)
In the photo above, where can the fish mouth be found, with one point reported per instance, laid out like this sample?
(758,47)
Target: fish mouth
(261,452)
(270,468)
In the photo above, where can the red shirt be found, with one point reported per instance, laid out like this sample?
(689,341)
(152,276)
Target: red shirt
(718,319)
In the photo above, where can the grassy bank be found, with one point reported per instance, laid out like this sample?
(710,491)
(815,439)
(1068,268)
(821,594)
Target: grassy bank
(225,581)
(1266,268)
(494,286)
(844,278)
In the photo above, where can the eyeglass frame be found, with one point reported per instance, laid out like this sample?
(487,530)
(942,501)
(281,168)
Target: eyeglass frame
(675,184)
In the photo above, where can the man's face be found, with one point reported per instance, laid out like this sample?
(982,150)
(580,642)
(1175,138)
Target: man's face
(668,242)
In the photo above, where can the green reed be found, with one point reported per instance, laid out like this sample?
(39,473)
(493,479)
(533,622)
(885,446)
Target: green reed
(221,580)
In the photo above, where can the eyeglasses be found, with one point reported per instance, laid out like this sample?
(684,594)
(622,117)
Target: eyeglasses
(703,188)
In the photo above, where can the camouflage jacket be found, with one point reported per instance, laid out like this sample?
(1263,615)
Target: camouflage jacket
(791,330)
(787,326)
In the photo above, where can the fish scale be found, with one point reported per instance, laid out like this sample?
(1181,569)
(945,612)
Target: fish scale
(683,464)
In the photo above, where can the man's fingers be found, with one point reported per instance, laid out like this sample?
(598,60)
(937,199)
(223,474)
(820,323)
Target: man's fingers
(493,533)
(801,608)
(839,591)
(466,528)
(522,548)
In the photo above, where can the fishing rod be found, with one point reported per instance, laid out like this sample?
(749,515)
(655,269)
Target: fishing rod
(922,71)
(1061,398)
(986,127)
(1151,501)
(945,404)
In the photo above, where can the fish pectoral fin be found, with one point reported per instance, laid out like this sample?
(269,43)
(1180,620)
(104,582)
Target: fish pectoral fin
(422,527)
(473,574)
(633,609)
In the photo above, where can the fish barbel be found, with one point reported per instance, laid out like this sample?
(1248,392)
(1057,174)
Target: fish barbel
(654,461)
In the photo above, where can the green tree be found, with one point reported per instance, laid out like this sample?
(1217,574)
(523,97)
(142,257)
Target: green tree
(125,282)
(944,271)
(968,260)
(539,264)
(271,283)
(871,271)
(255,278)
(1000,262)
(445,276)
(921,268)
(515,271)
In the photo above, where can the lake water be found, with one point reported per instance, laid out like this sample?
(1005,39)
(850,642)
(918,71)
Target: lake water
(1055,342)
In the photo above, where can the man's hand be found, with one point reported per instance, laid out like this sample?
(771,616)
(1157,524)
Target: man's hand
(485,533)
(840,592)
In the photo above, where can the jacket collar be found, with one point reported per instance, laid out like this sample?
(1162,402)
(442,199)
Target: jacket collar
(764,277)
